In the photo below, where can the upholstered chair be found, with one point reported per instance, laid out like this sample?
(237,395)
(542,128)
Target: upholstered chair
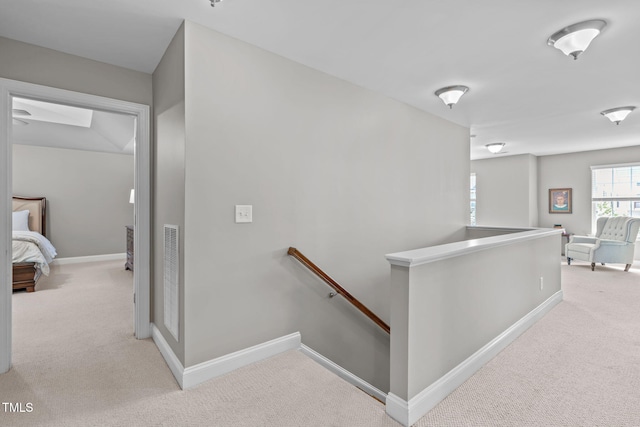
(614,242)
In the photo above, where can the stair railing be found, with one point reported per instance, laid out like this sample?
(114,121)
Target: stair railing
(339,289)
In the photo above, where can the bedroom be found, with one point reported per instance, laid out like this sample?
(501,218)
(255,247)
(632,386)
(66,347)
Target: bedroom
(82,162)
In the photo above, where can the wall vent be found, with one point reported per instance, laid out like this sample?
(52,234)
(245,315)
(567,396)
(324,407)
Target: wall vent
(171,279)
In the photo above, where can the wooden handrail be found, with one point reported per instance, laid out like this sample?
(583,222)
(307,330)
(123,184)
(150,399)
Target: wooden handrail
(339,289)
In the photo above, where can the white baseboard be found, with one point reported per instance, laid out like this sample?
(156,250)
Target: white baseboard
(343,373)
(197,374)
(205,371)
(167,353)
(202,372)
(407,413)
(90,258)
(398,409)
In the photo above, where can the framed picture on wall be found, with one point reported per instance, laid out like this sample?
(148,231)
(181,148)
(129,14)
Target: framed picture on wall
(560,200)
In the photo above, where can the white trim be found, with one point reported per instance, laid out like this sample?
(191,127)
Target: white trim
(408,413)
(615,199)
(343,373)
(142,224)
(197,374)
(89,258)
(398,409)
(615,165)
(142,208)
(6,289)
(167,353)
(436,253)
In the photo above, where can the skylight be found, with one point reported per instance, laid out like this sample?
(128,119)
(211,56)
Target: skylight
(52,113)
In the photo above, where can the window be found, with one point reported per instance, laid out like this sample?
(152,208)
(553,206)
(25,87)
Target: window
(472,220)
(615,191)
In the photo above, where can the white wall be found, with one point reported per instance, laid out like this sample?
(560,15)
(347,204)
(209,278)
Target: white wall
(87,196)
(342,173)
(506,191)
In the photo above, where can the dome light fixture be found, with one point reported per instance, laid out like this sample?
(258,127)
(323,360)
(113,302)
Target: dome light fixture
(496,147)
(575,39)
(616,115)
(450,95)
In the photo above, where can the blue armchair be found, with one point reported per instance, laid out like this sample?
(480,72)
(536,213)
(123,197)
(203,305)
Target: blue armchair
(614,242)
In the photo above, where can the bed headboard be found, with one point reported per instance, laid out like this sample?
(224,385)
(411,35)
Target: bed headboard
(37,207)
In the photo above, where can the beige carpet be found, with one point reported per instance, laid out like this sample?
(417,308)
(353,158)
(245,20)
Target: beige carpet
(577,366)
(77,363)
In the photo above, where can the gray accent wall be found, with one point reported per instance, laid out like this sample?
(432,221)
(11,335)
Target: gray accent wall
(340,172)
(87,194)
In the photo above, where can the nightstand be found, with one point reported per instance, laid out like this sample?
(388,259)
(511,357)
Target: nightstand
(129,264)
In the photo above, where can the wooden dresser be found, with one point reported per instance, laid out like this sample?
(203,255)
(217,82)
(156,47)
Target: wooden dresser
(129,264)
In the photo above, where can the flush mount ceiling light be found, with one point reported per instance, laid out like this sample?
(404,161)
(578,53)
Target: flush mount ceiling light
(575,39)
(616,115)
(496,147)
(450,95)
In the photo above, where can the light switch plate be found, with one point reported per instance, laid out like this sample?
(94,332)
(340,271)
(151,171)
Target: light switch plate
(244,213)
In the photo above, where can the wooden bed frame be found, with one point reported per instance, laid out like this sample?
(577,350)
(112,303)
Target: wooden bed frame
(26,274)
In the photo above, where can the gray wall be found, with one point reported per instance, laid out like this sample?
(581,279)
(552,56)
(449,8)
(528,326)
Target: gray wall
(34,64)
(506,191)
(574,171)
(39,65)
(513,177)
(168,205)
(342,173)
(87,194)
(444,311)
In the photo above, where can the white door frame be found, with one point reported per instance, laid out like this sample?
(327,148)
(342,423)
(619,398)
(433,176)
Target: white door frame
(142,206)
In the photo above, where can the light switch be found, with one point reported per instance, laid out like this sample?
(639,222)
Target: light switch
(244,213)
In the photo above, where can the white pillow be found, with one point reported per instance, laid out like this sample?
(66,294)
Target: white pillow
(21,221)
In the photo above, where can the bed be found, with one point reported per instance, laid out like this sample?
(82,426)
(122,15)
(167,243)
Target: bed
(32,251)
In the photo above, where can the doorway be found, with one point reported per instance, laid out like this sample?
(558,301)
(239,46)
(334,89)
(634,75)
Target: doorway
(142,203)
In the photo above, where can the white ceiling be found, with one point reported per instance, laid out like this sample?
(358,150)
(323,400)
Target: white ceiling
(48,124)
(522,92)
